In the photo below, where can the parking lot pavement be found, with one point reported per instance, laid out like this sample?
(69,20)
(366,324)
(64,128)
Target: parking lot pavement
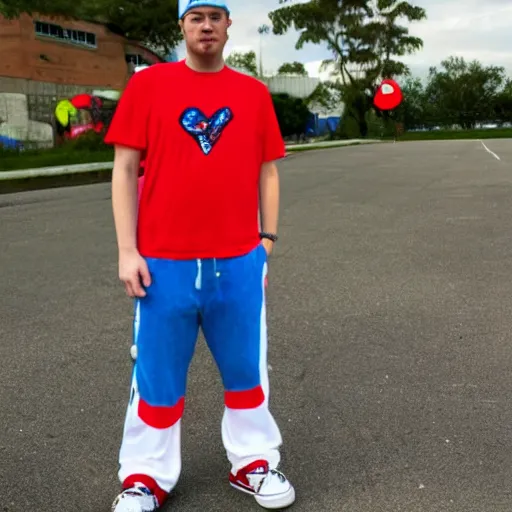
(390,315)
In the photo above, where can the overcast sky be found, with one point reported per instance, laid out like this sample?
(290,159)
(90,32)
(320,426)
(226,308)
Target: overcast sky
(475,29)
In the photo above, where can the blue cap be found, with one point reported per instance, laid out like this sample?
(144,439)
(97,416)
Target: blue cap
(187,5)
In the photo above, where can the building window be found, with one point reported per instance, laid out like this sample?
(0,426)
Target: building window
(78,37)
(136,59)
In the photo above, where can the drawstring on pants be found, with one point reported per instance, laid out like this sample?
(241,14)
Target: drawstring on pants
(199,276)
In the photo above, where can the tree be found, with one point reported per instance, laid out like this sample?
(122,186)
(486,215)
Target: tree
(292,114)
(412,111)
(393,39)
(330,22)
(503,104)
(464,93)
(292,68)
(327,96)
(243,61)
(150,21)
(363,37)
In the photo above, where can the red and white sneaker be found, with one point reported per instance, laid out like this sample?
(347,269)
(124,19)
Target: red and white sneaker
(270,488)
(136,499)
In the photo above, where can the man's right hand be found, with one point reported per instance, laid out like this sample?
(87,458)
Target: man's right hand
(134,273)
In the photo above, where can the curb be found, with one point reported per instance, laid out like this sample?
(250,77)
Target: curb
(40,172)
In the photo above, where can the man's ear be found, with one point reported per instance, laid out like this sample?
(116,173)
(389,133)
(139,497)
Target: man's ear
(230,21)
(180,23)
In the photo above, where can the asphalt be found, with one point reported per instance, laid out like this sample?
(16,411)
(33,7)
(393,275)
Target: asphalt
(390,315)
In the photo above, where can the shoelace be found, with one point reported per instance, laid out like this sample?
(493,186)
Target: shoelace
(279,475)
(137,491)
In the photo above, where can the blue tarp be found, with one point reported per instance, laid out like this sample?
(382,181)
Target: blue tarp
(9,143)
(318,126)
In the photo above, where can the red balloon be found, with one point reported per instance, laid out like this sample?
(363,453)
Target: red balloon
(85,101)
(388,95)
(81,101)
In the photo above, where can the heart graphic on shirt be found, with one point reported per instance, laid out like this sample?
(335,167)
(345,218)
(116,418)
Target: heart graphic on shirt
(205,131)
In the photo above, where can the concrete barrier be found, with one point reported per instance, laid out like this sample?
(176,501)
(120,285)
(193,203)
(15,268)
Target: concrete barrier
(43,172)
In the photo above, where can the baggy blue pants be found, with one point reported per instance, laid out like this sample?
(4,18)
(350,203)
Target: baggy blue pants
(226,299)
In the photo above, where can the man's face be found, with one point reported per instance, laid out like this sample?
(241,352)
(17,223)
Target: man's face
(205,30)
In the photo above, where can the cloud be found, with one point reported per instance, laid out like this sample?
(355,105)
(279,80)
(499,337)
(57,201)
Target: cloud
(467,28)
(474,29)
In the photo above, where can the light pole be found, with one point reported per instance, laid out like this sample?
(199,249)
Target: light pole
(262,29)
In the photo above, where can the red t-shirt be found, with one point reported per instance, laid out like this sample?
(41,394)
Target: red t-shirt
(205,137)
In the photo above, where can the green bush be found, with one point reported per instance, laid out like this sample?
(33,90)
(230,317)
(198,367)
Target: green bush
(348,128)
(292,114)
(376,127)
(87,148)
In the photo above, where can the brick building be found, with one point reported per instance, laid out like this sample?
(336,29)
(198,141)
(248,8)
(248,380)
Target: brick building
(68,52)
(45,59)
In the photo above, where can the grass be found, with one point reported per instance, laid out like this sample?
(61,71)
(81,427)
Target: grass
(13,161)
(490,133)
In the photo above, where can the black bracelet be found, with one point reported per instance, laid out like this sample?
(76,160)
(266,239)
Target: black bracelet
(269,236)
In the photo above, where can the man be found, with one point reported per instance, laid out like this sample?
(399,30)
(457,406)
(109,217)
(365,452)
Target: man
(193,257)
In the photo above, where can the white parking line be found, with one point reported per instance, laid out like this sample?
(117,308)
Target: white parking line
(491,152)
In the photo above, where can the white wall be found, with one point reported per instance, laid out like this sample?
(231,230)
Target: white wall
(15,122)
(297,86)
